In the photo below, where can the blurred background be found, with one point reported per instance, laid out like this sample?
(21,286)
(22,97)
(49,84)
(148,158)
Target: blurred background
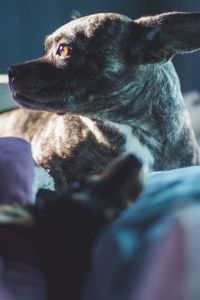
(25,23)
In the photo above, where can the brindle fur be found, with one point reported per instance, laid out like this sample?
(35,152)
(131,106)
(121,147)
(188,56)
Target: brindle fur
(116,92)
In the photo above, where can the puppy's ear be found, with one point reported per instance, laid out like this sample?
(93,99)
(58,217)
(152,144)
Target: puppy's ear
(160,37)
(75,14)
(123,178)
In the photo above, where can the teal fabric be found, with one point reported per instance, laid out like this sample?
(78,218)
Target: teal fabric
(163,191)
(122,248)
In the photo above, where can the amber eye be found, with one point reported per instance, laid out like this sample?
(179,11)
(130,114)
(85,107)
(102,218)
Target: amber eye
(63,50)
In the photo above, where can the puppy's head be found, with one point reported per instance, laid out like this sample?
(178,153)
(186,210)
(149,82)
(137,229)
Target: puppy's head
(92,63)
(64,226)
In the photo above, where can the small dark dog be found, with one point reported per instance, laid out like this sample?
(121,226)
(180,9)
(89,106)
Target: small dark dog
(112,82)
(64,226)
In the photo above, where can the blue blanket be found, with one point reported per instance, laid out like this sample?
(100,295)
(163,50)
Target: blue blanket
(152,251)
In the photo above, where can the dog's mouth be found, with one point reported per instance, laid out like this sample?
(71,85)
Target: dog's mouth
(29,103)
(25,101)
(34,98)
(32,104)
(20,98)
(24,98)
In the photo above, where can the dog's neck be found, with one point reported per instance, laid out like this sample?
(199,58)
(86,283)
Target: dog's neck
(153,101)
(156,116)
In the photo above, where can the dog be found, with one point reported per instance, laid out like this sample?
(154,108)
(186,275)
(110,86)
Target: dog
(104,87)
(64,226)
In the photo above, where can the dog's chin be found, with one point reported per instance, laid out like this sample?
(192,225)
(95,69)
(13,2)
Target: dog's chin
(29,103)
(25,102)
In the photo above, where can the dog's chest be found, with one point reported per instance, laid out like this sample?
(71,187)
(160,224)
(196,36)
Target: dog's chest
(119,137)
(81,146)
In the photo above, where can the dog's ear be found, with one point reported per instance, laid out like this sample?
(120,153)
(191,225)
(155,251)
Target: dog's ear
(162,36)
(124,178)
(75,14)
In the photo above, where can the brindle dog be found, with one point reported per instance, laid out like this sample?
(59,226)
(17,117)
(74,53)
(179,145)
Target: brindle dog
(107,86)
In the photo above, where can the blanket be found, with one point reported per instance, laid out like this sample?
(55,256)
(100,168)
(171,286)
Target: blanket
(152,251)
(16,171)
(20,275)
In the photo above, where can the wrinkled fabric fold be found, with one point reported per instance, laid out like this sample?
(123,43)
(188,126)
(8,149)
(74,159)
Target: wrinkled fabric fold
(16,171)
(21,277)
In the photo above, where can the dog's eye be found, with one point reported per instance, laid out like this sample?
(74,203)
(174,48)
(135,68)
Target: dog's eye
(63,50)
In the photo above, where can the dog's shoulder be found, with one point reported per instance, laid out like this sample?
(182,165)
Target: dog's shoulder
(22,123)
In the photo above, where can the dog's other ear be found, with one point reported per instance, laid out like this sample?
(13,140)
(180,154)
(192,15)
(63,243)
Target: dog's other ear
(123,178)
(75,14)
(162,36)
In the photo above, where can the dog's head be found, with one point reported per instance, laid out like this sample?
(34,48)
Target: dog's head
(96,63)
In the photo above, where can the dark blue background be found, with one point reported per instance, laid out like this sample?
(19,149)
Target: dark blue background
(25,23)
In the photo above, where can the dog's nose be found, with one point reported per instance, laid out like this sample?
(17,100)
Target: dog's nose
(11,74)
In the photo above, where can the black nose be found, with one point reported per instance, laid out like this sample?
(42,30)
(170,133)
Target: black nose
(11,74)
